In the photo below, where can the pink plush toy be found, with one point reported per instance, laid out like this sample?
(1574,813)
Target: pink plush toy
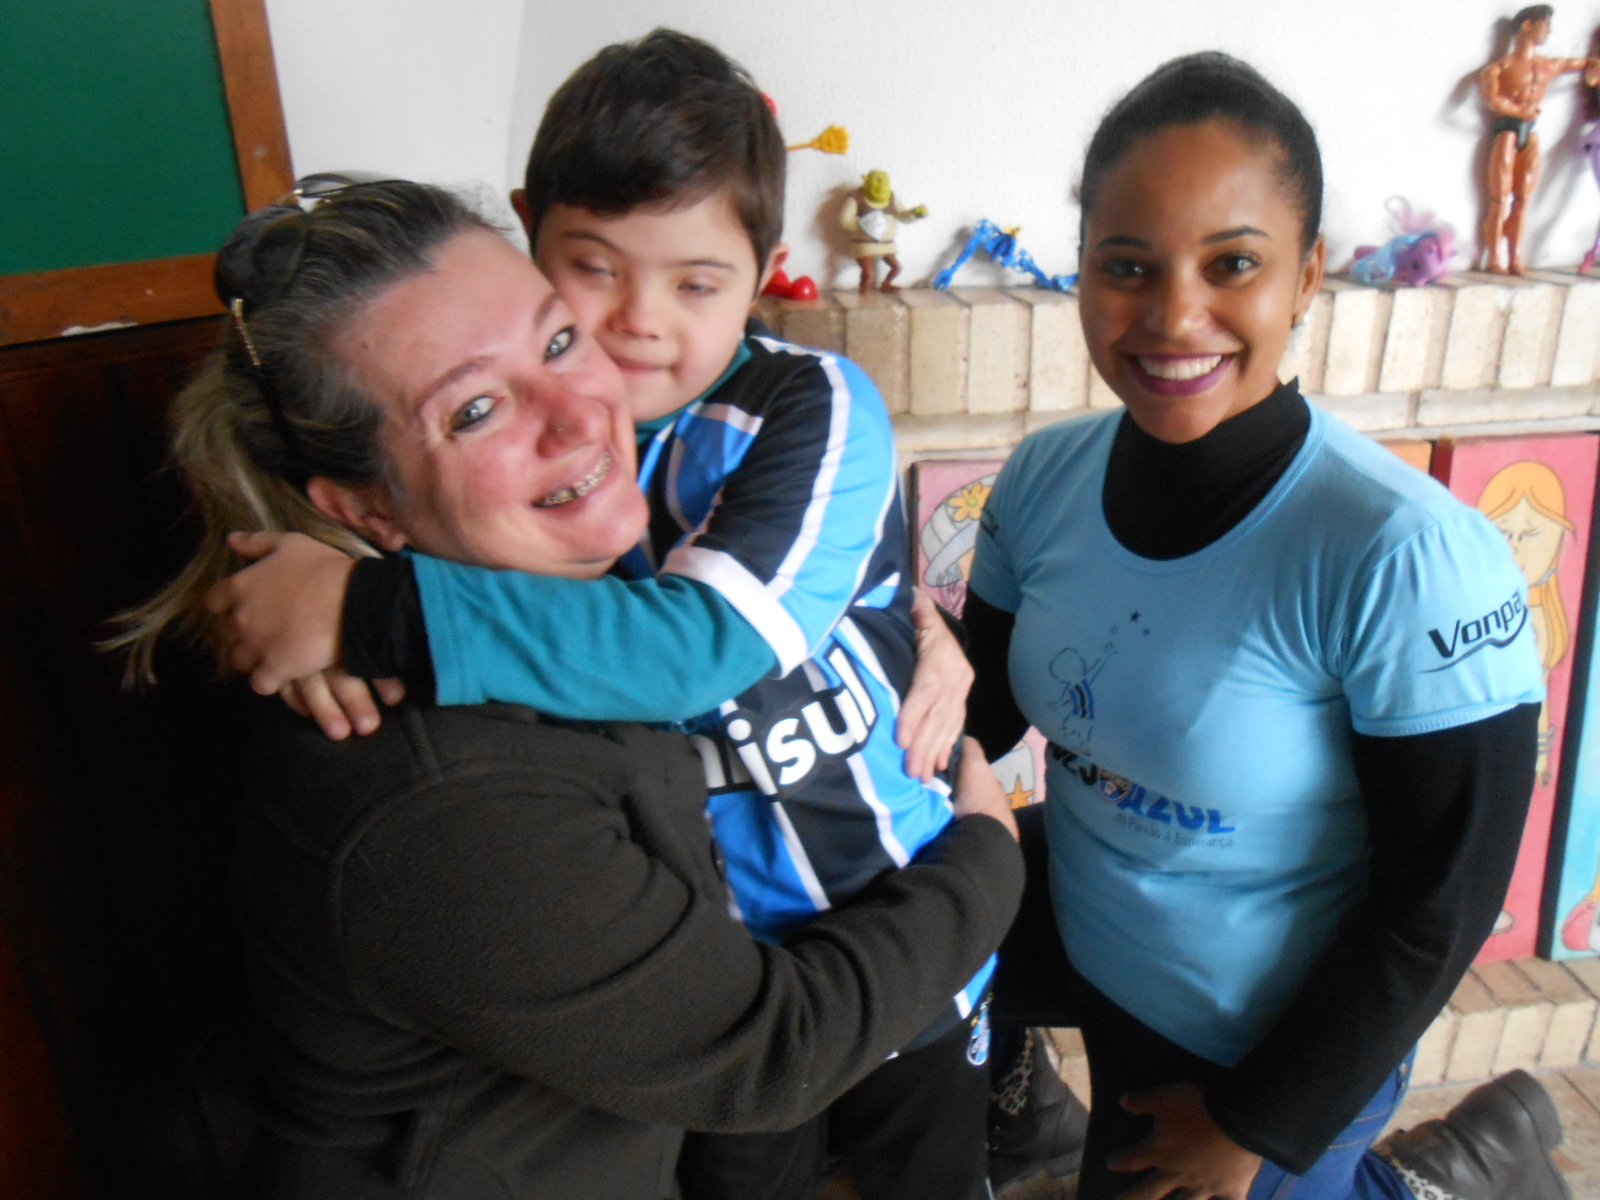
(1419,254)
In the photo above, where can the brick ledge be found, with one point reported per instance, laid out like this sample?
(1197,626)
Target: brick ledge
(977,368)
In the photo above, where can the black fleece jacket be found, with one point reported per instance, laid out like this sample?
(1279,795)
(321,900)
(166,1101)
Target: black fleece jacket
(492,957)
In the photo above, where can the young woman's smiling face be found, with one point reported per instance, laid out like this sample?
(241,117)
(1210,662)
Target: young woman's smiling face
(1193,277)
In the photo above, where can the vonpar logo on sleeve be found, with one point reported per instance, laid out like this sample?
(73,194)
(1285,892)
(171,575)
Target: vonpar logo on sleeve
(1497,627)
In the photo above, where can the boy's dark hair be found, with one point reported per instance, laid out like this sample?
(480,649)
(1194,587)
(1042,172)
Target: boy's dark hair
(666,120)
(1205,87)
(1533,14)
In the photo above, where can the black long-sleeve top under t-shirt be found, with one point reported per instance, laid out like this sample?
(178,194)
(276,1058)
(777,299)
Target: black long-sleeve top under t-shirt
(1444,811)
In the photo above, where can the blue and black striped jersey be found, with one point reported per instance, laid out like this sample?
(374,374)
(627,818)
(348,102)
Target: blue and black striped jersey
(778,489)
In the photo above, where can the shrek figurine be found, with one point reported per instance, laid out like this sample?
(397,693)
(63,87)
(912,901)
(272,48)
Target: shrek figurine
(871,216)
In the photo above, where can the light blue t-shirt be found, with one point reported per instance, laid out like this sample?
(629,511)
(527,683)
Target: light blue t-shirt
(1206,832)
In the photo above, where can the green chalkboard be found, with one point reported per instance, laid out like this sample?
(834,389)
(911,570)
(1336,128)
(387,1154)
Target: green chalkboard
(115,144)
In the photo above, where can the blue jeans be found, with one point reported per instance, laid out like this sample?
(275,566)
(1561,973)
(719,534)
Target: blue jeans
(1124,1057)
(1037,985)
(1348,1169)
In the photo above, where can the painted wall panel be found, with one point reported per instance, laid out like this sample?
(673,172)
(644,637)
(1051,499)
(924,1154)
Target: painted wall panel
(1540,492)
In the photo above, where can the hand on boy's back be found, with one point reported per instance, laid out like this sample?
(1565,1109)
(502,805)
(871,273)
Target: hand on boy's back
(934,710)
(977,792)
(280,618)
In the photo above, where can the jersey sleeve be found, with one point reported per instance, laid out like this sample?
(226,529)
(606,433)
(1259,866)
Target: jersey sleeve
(606,649)
(796,524)
(1439,633)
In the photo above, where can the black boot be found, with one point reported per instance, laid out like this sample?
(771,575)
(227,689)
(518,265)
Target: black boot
(1036,1123)
(1494,1145)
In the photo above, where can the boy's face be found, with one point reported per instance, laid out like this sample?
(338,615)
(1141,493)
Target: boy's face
(665,291)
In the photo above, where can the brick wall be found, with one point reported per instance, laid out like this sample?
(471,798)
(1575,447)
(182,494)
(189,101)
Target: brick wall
(977,368)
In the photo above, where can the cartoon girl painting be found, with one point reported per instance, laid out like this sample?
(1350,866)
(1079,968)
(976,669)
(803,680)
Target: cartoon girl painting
(1526,502)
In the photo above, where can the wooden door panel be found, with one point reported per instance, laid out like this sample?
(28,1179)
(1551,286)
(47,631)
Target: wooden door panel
(113,808)
(38,1156)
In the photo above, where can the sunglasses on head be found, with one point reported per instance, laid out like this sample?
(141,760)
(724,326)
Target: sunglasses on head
(259,261)
(255,264)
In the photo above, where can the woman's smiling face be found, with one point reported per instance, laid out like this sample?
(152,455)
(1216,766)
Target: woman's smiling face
(505,434)
(1193,277)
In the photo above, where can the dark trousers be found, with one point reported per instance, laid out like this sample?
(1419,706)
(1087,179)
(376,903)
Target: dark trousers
(911,1130)
(1037,985)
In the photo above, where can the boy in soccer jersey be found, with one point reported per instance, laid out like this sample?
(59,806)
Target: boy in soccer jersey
(775,572)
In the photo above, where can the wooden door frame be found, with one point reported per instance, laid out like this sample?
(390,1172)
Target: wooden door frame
(45,304)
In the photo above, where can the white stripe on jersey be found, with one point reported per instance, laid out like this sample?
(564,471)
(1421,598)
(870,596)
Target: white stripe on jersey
(726,414)
(840,662)
(748,596)
(866,787)
(822,489)
(802,864)
(674,504)
(850,633)
(869,792)
(888,588)
(744,422)
(787,574)
(847,630)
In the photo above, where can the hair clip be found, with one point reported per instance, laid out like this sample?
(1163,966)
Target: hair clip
(269,394)
(236,307)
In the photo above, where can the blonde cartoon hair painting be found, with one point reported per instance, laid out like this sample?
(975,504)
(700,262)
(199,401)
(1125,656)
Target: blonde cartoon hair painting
(1527,503)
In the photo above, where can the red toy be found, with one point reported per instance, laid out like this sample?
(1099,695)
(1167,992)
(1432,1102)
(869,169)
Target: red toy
(781,286)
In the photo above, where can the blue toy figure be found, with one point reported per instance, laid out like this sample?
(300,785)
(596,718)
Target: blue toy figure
(1001,247)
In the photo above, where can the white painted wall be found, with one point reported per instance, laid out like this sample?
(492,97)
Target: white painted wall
(975,108)
(419,88)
